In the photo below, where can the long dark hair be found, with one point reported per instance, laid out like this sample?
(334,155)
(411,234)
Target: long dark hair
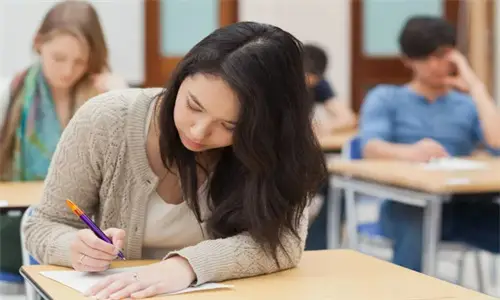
(263,182)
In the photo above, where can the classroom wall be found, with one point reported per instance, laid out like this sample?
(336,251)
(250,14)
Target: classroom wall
(325,22)
(321,21)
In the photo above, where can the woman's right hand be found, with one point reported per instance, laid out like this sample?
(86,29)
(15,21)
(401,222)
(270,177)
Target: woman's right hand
(91,254)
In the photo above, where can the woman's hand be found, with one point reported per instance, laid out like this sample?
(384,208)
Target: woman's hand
(91,254)
(105,82)
(171,275)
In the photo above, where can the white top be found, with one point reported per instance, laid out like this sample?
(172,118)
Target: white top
(183,228)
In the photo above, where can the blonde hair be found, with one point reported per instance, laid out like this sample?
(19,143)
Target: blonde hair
(80,20)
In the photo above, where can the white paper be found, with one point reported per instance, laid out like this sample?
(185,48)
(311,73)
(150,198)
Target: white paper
(4,203)
(82,281)
(458,181)
(454,164)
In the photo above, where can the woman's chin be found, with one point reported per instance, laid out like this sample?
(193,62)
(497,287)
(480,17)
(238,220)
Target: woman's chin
(192,146)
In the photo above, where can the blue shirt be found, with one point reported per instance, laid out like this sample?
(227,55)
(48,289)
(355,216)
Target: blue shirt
(397,114)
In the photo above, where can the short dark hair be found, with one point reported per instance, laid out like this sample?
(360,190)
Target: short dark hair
(423,35)
(263,182)
(315,60)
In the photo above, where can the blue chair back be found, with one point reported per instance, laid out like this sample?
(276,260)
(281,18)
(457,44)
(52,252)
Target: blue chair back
(355,148)
(352,149)
(11,277)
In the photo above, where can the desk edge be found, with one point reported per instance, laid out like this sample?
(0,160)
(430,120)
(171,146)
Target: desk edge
(33,283)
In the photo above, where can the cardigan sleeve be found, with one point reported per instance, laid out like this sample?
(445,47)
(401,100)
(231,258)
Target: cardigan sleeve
(74,173)
(240,256)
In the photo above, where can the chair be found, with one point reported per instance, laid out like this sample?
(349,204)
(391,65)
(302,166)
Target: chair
(371,233)
(31,293)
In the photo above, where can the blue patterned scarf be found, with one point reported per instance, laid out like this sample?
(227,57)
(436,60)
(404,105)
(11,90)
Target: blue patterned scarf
(38,131)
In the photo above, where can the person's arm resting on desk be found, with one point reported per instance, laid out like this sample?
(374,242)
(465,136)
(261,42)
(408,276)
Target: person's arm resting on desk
(240,256)
(340,115)
(376,133)
(209,261)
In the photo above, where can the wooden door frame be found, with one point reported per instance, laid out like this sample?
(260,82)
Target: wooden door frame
(375,65)
(155,62)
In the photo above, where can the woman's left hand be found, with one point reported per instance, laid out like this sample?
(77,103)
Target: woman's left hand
(171,275)
(105,82)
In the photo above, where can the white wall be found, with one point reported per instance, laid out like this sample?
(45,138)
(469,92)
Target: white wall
(122,21)
(324,22)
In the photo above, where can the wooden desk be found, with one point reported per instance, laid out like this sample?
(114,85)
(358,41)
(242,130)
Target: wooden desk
(336,141)
(334,274)
(407,183)
(21,194)
(414,176)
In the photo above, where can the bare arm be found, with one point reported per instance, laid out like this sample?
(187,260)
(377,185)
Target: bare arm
(488,125)
(488,113)
(381,149)
(342,117)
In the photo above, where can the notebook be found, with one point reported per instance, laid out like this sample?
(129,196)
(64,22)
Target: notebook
(82,281)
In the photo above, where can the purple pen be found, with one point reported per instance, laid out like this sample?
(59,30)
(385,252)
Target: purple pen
(91,225)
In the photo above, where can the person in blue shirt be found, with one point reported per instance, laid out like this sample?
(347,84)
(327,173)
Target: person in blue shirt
(445,110)
(332,114)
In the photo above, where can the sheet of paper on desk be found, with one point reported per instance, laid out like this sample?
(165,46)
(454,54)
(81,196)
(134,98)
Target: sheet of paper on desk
(454,164)
(4,203)
(81,281)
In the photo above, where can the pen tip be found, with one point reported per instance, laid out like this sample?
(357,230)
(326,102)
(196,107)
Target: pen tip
(74,208)
(70,203)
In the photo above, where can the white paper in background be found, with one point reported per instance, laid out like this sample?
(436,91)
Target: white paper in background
(4,203)
(454,164)
(82,281)
(458,181)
